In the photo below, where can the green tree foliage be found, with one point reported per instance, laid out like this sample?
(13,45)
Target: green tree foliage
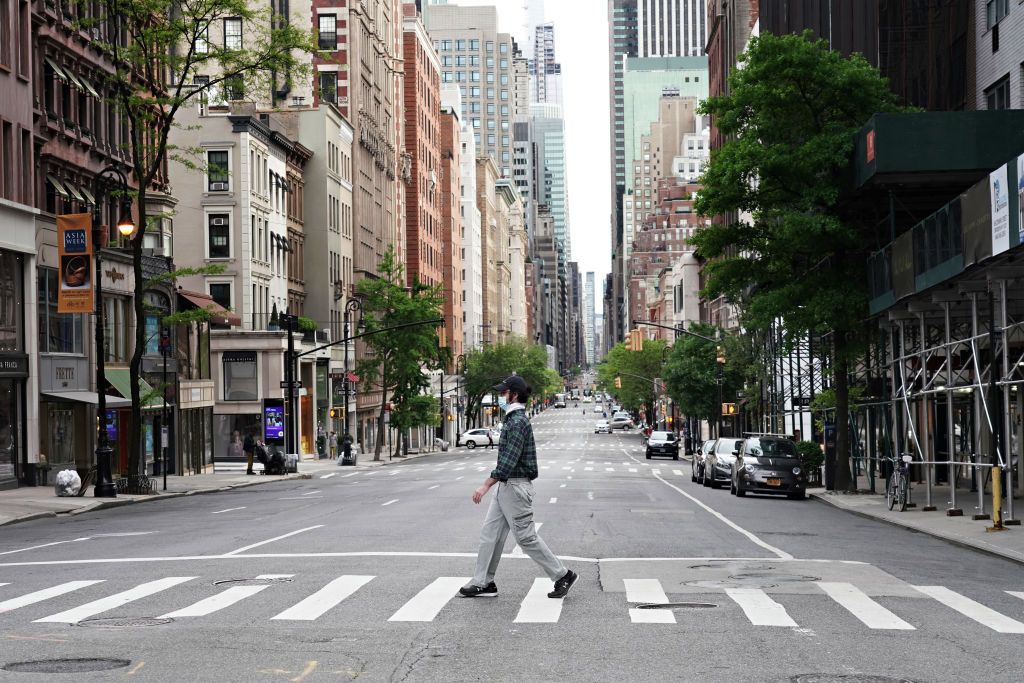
(395,366)
(152,79)
(491,364)
(790,119)
(691,372)
(637,370)
(421,410)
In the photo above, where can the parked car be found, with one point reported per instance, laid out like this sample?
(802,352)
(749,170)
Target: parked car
(768,464)
(602,427)
(598,409)
(697,464)
(477,437)
(621,422)
(663,443)
(717,467)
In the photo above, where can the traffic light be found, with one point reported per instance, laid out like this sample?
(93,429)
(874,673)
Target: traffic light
(638,343)
(450,418)
(720,354)
(334,413)
(618,382)
(728,409)
(629,340)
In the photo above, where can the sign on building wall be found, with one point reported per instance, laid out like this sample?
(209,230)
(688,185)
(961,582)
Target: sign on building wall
(1020,198)
(976,211)
(74,251)
(1000,193)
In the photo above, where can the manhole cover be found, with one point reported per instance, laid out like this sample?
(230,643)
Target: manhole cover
(771,576)
(718,585)
(677,605)
(730,563)
(253,582)
(66,666)
(846,678)
(124,622)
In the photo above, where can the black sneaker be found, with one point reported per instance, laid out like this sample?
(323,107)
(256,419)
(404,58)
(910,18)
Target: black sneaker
(488,591)
(563,585)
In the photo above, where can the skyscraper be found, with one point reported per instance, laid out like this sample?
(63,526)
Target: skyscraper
(588,318)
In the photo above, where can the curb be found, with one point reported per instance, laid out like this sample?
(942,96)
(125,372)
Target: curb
(120,502)
(962,543)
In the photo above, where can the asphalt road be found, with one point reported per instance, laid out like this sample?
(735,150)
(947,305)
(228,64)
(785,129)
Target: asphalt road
(359,571)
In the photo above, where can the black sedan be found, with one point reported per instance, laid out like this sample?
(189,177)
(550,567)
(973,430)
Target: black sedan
(663,443)
(768,464)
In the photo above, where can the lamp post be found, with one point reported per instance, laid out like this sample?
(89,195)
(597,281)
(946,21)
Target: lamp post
(460,362)
(109,177)
(350,307)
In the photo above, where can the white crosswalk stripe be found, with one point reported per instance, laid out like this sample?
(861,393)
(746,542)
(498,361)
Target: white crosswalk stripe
(45,594)
(426,604)
(760,609)
(647,591)
(222,600)
(973,610)
(537,607)
(328,597)
(536,527)
(863,607)
(76,614)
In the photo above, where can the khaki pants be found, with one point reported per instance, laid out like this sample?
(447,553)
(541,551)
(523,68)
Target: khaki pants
(511,509)
(248,461)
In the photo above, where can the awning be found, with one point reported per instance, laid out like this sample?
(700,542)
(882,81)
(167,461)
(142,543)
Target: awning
(120,379)
(87,193)
(74,80)
(58,186)
(57,71)
(90,397)
(218,314)
(88,86)
(74,192)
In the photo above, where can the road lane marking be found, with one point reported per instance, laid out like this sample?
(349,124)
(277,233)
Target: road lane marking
(328,476)
(271,540)
(517,551)
(346,476)
(782,554)
(45,545)
(433,487)
(75,615)
(647,591)
(588,469)
(633,469)
(310,493)
(561,486)
(678,473)
(537,607)
(389,503)
(1017,594)
(459,478)
(590,495)
(760,609)
(426,604)
(972,610)
(227,510)
(328,597)
(222,600)
(656,472)
(552,501)
(863,607)
(45,594)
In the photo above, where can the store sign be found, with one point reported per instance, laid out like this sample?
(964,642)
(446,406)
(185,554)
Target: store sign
(74,252)
(1000,195)
(13,366)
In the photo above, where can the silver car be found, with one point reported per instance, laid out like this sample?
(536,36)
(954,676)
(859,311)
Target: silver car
(718,462)
(768,464)
(697,464)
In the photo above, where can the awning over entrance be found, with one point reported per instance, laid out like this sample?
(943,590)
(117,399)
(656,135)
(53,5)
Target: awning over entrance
(120,379)
(90,397)
(218,314)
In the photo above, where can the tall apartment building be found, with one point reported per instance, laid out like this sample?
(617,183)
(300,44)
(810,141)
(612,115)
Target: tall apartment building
(479,59)
(545,71)
(450,189)
(425,248)
(517,254)
(589,339)
(552,185)
(491,246)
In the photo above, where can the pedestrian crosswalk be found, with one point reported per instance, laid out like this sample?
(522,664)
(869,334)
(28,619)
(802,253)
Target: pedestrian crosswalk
(645,602)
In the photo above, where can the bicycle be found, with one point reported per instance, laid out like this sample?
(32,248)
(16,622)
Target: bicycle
(897,489)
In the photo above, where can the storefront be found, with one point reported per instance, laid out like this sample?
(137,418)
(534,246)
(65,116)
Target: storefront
(13,370)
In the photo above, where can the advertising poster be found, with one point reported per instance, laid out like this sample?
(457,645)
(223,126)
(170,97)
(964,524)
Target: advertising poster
(273,422)
(74,252)
(1020,196)
(1000,193)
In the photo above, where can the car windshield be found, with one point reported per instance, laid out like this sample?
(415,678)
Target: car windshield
(662,436)
(728,446)
(772,448)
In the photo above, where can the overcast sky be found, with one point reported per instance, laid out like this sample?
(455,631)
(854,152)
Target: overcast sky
(581,45)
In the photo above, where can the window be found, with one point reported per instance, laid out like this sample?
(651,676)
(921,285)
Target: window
(327,31)
(329,86)
(503,63)
(490,46)
(460,45)
(475,76)
(474,44)
(240,382)
(474,60)
(998,96)
(217,170)
(503,48)
(504,79)
(58,332)
(995,10)
(504,94)
(221,293)
(158,306)
(219,235)
(233,34)
(460,60)
(203,40)
(490,77)
(474,91)
(446,45)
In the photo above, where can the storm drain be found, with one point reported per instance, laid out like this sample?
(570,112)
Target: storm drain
(846,678)
(123,622)
(677,605)
(66,666)
(253,582)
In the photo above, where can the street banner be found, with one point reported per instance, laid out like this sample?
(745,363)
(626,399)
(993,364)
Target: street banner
(1020,199)
(74,252)
(1000,210)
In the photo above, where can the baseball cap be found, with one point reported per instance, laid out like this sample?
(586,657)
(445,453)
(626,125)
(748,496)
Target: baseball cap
(514,383)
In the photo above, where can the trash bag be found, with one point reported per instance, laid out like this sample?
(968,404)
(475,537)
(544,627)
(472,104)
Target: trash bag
(68,483)
(274,464)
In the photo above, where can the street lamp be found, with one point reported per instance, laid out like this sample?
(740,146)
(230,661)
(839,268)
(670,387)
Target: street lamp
(350,307)
(460,362)
(109,177)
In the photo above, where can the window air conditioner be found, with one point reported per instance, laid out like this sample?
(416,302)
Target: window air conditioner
(218,187)
(219,221)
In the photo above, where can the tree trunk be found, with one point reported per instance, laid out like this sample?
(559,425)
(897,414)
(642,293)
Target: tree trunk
(380,428)
(136,461)
(843,479)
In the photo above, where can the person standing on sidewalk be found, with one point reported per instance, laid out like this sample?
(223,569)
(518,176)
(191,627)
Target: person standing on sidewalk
(332,440)
(249,448)
(511,507)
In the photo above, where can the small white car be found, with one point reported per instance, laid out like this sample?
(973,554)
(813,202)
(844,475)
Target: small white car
(602,427)
(477,437)
(598,409)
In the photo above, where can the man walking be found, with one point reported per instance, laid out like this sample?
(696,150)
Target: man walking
(512,505)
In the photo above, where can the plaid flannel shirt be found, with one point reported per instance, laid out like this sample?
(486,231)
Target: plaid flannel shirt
(517,452)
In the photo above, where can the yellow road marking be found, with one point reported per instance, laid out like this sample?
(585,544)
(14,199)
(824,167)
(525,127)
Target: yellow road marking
(310,668)
(135,668)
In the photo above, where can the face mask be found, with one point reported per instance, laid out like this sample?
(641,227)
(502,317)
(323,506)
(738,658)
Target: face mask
(503,402)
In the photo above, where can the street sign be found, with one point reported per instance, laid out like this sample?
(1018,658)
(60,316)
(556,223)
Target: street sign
(295,385)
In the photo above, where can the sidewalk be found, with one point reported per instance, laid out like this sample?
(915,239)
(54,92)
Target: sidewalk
(962,531)
(34,502)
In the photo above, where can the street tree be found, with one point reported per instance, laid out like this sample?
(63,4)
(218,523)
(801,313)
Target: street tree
(398,357)
(691,372)
(790,119)
(489,365)
(410,412)
(636,371)
(162,58)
